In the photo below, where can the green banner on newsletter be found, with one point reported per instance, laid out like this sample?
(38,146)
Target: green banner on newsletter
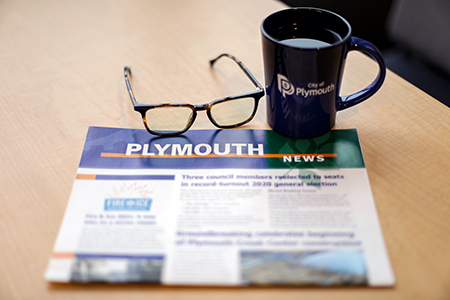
(334,150)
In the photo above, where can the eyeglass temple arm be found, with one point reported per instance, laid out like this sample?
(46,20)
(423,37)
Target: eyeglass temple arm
(241,65)
(127,76)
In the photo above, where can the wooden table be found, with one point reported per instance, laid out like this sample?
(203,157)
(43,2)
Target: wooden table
(62,65)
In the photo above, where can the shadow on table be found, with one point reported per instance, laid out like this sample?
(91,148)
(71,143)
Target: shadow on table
(126,287)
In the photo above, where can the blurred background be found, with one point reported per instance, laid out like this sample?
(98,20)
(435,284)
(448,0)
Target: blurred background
(413,35)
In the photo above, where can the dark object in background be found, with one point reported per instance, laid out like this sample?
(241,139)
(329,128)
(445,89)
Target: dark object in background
(421,31)
(413,35)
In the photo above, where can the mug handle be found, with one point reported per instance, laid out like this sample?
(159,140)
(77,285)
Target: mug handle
(358,97)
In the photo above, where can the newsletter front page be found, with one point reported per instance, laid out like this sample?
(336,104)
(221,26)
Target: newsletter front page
(221,207)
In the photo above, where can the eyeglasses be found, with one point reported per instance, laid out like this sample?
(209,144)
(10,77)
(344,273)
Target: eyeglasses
(168,119)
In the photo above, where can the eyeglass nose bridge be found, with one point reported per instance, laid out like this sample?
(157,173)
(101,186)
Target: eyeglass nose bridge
(205,107)
(202,107)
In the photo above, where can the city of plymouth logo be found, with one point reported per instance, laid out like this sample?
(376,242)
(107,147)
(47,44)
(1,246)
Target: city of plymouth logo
(313,89)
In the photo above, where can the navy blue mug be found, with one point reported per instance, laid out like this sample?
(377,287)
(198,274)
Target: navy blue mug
(304,53)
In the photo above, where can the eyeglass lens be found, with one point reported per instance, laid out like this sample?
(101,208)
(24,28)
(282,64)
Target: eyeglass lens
(168,119)
(233,112)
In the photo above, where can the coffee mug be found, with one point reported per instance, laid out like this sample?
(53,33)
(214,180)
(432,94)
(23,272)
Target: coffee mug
(304,52)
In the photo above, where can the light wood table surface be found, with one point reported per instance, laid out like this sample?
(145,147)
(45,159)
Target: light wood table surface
(62,71)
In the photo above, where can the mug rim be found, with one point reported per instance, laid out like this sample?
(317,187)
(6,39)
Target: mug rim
(278,42)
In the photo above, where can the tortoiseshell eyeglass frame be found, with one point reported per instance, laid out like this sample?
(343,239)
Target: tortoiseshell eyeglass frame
(143,108)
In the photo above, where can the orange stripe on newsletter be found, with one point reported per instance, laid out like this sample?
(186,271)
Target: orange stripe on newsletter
(63,255)
(121,155)
(86,176)
(300,154)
